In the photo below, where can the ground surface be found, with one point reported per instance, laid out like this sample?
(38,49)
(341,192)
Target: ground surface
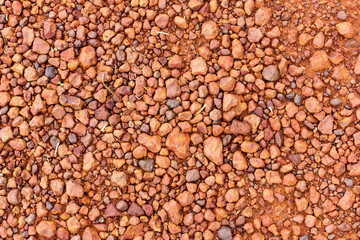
(159,119)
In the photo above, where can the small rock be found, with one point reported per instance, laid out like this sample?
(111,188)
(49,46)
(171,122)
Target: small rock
(46,229)
(173,103)
(108,35)
(185,198)
(326,125)
(28,36)
(237,49)
(17,144)
(232,195)
(226,62)
(210,30)
(213,149)
(249,147)
(175,62)
(319,61)
(195,4)
(227,84)
(119,178)
(50,72)
(313,105)
(147,165)
(30,219)
(49,29)
(90,234)
(304,38)
(310,221)
(180,22)
(348,182)
(14,197)
(6,134)
(354,99)
(57,186)
(173,89)
(152,143)
(346,29)
(71,101)
(229,101)
(319,40)
(122,205)
(3,203)
(174,211)
(254,35)
(162,20)
(336,102)
(271,73)
(238,127)
(192,175)
(357,66)
(73,224)
(135,210)
(224,233)
(354,169)
(30,74)
(178,142)
(87,57)
(40,46)
(198,66)
(263,16)
(17,101)
(347,201)
(4,98)
(17,7)
(89,162)
(295,70)
(249,6)
(342,15)
(74,189)
(239,161)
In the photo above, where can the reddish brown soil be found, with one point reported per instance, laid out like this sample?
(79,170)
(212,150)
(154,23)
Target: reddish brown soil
(160,119)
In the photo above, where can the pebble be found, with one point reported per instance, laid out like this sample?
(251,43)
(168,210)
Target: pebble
(319,61)
(178,142)
(347,201)
(6,134)
(254,35)
(198,66)
(224,233)
(192,175)
(135,210)
(346,29)
(87,57)
(119,178)
(14,197)
(263,16)
(342,15)
(209,30)
(74,189)
(326,125)
(213,149)
(152,143)
(46,229)
(147,165)
(271,73)
(185,198)
(40,46)
(313,105)
(90,234)
(174,211)
(50,72)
